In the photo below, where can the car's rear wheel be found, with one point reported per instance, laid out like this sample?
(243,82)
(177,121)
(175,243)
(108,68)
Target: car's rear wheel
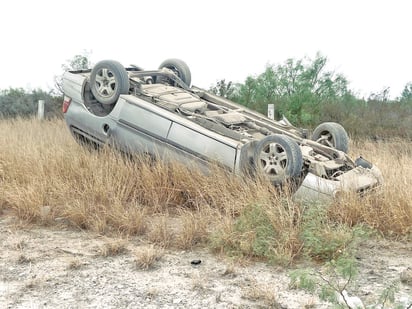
(331,134)
(108,80)
(278,158)
(180,68)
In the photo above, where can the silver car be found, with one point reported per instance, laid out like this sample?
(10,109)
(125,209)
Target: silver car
(159,113)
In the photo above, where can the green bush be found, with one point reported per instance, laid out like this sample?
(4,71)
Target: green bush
(251,234)
(323,239)
(17,102)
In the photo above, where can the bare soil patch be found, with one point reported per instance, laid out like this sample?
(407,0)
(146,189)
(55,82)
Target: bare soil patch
(58,267)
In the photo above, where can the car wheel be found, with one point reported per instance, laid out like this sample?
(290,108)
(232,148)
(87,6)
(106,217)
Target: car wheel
(331,134)
(108,80)
(278,158)
(180,68)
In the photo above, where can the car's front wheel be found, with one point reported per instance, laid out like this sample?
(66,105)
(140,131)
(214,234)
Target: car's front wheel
(180,68)
(332,134)
(108,80)
(278,158)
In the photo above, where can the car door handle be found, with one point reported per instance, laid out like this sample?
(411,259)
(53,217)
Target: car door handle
(106,129)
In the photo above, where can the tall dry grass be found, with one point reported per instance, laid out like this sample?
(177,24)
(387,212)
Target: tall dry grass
(45,177)
(389,210)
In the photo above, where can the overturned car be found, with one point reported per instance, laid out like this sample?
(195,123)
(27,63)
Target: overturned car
(159,113)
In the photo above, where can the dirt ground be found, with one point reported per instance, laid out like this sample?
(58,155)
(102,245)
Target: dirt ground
(58,267)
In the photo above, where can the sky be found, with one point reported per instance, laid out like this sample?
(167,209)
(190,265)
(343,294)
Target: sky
(369,42)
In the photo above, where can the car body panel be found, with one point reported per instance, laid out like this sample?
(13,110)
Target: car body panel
(135,131)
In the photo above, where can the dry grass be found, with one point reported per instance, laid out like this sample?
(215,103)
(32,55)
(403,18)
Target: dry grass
(263,293)
(45,175)
(193,229)
(146,257)
(160,231)
(23,259)
(389,211)
(75,263)
(152,293)
(230,271)
(113,248)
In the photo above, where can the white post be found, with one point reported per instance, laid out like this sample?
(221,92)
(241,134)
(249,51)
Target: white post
(271,111)
(40,110)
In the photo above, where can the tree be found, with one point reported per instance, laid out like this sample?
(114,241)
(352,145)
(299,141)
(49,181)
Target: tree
(406,95)
(380,96)
(297,87)
(223,89)
(78,62)
(246,94)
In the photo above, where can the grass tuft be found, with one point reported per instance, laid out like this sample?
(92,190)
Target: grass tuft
(146,258)
(113,248)
(262,293)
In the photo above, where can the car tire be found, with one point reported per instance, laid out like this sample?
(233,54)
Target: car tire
(278,158)
(108,80)
(331,134)
(180,68)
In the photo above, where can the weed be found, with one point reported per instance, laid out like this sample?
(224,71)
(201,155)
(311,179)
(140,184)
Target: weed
(192,230)
(152,293)
(198,282)
(113,248)
(159,232)
(20,244)
(262,293)
(145,258)
(262,230)
(336,277)
(23,259)
(75,263)
(32,284)
(250,234)
(323,239)
(388,294)
(230,271)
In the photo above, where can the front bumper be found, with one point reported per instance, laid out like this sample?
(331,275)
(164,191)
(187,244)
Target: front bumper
(359,179)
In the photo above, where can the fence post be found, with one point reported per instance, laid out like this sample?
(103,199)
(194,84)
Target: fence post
(40,110)
(271,111)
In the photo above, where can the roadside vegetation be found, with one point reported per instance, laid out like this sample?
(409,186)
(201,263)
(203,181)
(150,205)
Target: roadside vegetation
(46,178)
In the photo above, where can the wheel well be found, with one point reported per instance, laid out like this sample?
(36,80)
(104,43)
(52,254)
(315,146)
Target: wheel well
(94,106)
